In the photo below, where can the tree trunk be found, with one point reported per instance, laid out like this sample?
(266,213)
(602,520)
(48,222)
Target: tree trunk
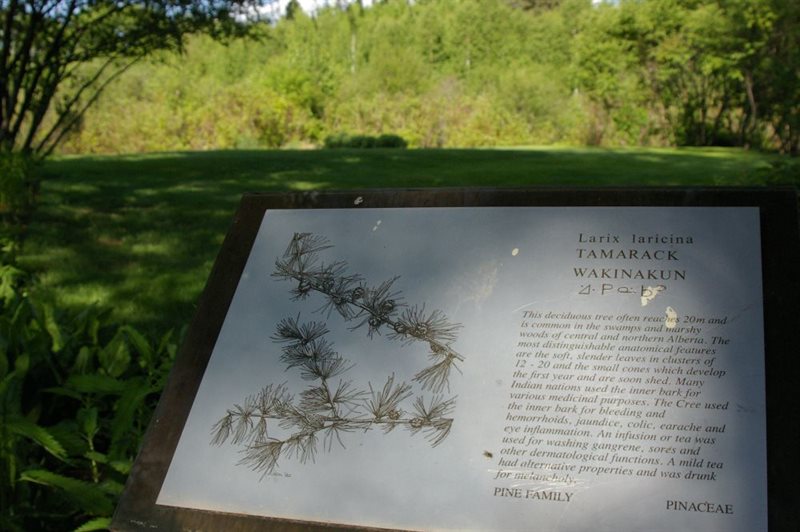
(752,123)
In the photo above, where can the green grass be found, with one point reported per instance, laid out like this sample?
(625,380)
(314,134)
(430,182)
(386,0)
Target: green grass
(140,233)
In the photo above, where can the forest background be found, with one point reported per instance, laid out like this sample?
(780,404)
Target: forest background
(468,73)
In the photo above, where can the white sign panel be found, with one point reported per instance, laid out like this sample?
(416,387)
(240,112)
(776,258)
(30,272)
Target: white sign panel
(576,368)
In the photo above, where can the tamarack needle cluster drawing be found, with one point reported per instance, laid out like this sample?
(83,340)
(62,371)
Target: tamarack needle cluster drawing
(326,410)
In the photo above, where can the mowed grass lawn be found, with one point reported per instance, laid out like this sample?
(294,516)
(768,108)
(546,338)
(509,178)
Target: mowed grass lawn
(139,233)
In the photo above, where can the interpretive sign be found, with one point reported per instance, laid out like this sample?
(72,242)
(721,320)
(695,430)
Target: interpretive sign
(480,360)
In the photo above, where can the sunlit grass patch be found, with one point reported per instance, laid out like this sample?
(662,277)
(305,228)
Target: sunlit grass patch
(139,233)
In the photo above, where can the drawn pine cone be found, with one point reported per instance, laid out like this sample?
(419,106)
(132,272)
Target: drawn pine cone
(387,307)
(304,287)
(357,293)
(438,349)
(421,330)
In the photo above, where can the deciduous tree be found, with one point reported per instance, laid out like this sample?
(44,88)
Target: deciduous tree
(57,56)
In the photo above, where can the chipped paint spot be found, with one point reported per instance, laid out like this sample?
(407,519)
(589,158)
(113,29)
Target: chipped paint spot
(650,293)
(515,252)
(671,320)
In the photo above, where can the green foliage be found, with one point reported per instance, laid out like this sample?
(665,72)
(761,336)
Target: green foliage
(57,57)
(343,140)
(76,394)
(390,141)
(85,496)
(446,73)
(17,186)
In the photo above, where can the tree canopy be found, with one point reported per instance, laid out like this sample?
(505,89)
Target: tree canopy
(451,73)
(58,55)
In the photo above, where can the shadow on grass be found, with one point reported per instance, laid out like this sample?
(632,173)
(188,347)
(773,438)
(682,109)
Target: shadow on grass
(140,233)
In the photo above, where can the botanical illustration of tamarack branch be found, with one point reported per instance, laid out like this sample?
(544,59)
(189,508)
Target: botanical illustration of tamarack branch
(274,424)
(378,307)
(323,412)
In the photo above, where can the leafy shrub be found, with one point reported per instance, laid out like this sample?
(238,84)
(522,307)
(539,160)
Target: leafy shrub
(342,140)
(17,188)
(338,140)
(390,141)
(76,395)
(76,392)
(362,141)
